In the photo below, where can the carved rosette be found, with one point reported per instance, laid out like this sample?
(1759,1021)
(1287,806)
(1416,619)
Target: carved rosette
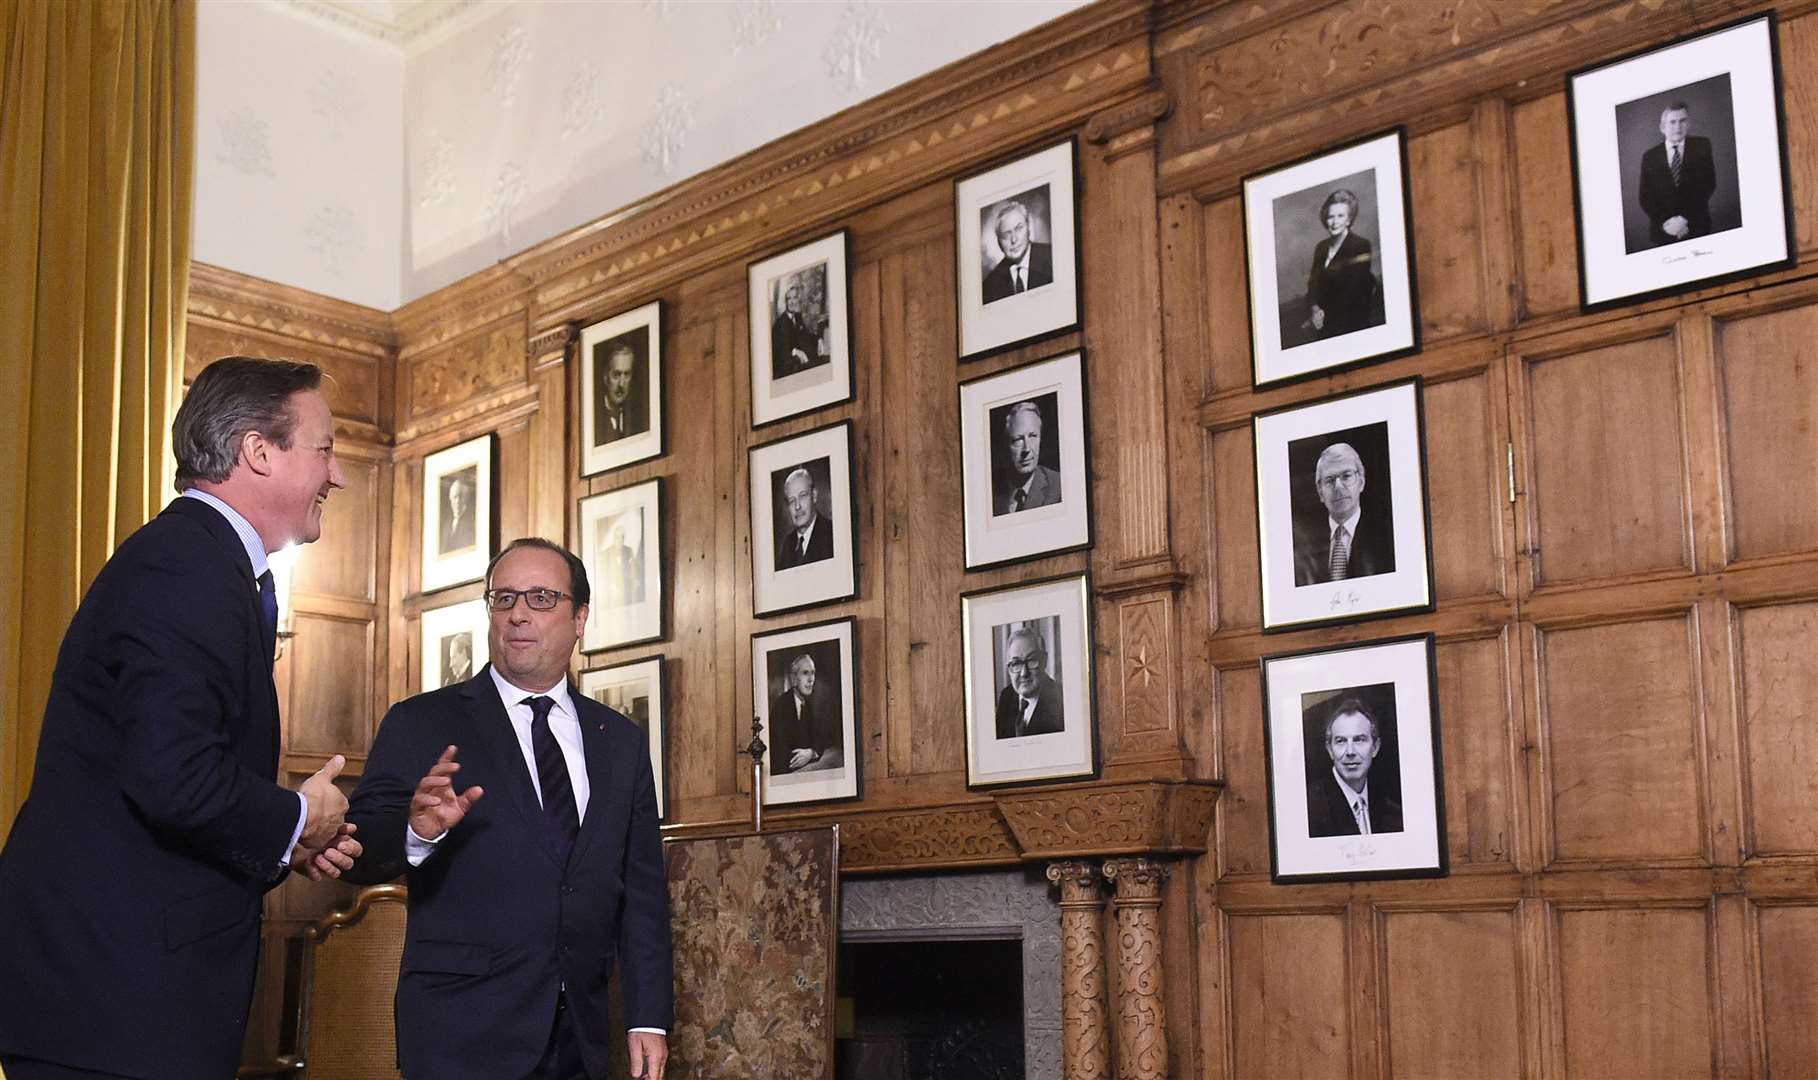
(1085,1028)
(1142,1024)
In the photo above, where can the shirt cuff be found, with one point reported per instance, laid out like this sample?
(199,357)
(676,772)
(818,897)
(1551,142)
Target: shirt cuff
(653,1031)
(416,849)
(297,833)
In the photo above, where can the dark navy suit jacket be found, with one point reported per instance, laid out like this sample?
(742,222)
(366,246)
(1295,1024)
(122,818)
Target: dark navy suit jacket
(130,886)
(498,922)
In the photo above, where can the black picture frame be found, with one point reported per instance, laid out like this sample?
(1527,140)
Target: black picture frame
(1046,181)
(625,611)
(1064,526)
(783,583)
(596,684)
(639,332)
(833,253)
(471,465)
(774,656)
(1056,737)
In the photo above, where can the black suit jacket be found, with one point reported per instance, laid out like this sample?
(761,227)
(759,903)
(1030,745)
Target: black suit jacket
(1372,549)
(787,334)
(636,413)
(1690,198)
(820,545)
(130,886)
(1045,720)
(998,284)
(498,924)
(1329,811)
(1345,288)
(815,729)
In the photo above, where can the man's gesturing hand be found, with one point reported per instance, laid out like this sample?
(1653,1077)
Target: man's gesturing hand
(327,806)
(435,808)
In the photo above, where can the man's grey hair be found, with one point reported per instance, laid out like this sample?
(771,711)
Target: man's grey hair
(800,662)
(231,397)
(1011,207)
(1336,451)
(803,473)
(1019,408)
(1030,634)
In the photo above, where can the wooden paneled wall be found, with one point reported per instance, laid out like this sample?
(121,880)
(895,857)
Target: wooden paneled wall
(1624,520)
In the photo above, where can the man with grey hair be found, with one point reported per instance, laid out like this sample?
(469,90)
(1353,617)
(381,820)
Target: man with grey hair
(458,532)
(794,344)
(1026,483)
(809,536)
(132,883)
(1340,800)
(1026,263)
(804,728)
(1030,702)
(1347,541)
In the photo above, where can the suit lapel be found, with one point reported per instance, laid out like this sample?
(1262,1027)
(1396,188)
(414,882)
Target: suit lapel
(604,775)
(497,741)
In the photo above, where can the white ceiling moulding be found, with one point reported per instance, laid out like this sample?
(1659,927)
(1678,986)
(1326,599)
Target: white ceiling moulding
(404,23)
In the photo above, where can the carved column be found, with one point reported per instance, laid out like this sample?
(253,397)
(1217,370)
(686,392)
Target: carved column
(1142,1026)
(1085,1031)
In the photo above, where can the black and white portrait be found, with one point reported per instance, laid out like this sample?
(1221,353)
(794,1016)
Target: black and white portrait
(1678,155)
(457,657)
(802,522)
(1016,245)
(458,532)
(1334,286)
(805,694)
(622,389)
(1341,509)
(1025,455)
(1028,651)
(622,549)
(1331,271)
(1343,522)
(1017,227)
(805,707)
(1354,762)
(636,690)
(1023,437)
(1029,699)
(1679,165)
(804,511)
(618,579)
(799,322)
(801,354)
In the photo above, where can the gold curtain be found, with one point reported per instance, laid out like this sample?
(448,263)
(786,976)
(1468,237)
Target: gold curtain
(97,131)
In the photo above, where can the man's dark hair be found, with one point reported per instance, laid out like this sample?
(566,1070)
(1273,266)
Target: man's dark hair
(232,396)
(577,571)
(1347,707)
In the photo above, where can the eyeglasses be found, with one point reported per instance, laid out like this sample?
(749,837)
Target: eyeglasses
(1017,667)
(1346,478)
(538,599)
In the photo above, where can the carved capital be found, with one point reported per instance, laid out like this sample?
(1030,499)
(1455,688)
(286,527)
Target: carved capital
(1139,881)
(1079,882)
(1129,125)
(553,344)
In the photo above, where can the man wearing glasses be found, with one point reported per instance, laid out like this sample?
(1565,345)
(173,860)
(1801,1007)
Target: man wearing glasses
(1347,541)
(1030,703)
(521,902)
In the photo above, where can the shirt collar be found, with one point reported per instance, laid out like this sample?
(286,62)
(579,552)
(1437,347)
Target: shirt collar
(514,696)
(1349,523)
(1352,797)
(249,536)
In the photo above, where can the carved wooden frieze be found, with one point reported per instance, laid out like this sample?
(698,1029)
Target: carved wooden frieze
(487,361)
(1079,820)
(354,395)
(940,836)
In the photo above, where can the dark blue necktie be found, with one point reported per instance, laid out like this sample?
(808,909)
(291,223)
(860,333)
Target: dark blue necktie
(268,603)
(552,775)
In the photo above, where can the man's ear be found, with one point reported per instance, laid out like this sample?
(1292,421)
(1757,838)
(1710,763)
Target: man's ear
(256,451)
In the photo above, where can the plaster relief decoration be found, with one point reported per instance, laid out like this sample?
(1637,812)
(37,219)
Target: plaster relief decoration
(666,132)
(337,102)
(859,41)
(436,172)
(502,204)
(246,138)
(506,68)
(580,102)
(753,23)
(336,237)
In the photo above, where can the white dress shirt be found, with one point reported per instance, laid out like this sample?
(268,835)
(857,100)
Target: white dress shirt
(1349,523)
(1353,798)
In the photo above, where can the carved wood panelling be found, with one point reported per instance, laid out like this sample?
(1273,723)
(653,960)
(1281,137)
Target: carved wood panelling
(1146,643)
(1634,992)
(1452,993)
(942,836)
(486,361)
(1107,818)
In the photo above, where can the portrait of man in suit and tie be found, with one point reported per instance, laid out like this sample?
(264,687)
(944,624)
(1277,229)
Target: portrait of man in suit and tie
(1353,778)
(797,334)
(1679,164)
(457,658)
(1029,697)
(805,721)
(805,534)
(621,386)
(1025,456)
(1017,255)
(457,532)
(1343,525)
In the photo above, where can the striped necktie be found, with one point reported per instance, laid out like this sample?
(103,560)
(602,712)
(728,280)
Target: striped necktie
(1674,164)
(1340,562)
(552,776)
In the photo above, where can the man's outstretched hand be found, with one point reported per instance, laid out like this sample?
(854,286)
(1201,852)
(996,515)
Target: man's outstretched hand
(435,808)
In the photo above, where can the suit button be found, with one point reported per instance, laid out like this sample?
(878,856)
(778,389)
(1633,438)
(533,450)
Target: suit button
(568,890)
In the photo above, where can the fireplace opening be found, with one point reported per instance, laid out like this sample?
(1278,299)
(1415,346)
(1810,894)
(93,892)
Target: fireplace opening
(930,1009)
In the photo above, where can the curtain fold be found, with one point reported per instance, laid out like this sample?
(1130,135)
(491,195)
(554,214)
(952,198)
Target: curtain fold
(97,128)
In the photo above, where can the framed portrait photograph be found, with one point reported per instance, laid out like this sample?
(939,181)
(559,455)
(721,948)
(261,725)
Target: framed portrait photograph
(636,691)
(622,389)
(1023,436)
(801,330)
(454,643)
(1329,241)
(1352,745)
(1679,170)
(1341,508)
(622,548)
(1018,230)
(458,513)
(805,691)
(804,526)
(1029,713)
